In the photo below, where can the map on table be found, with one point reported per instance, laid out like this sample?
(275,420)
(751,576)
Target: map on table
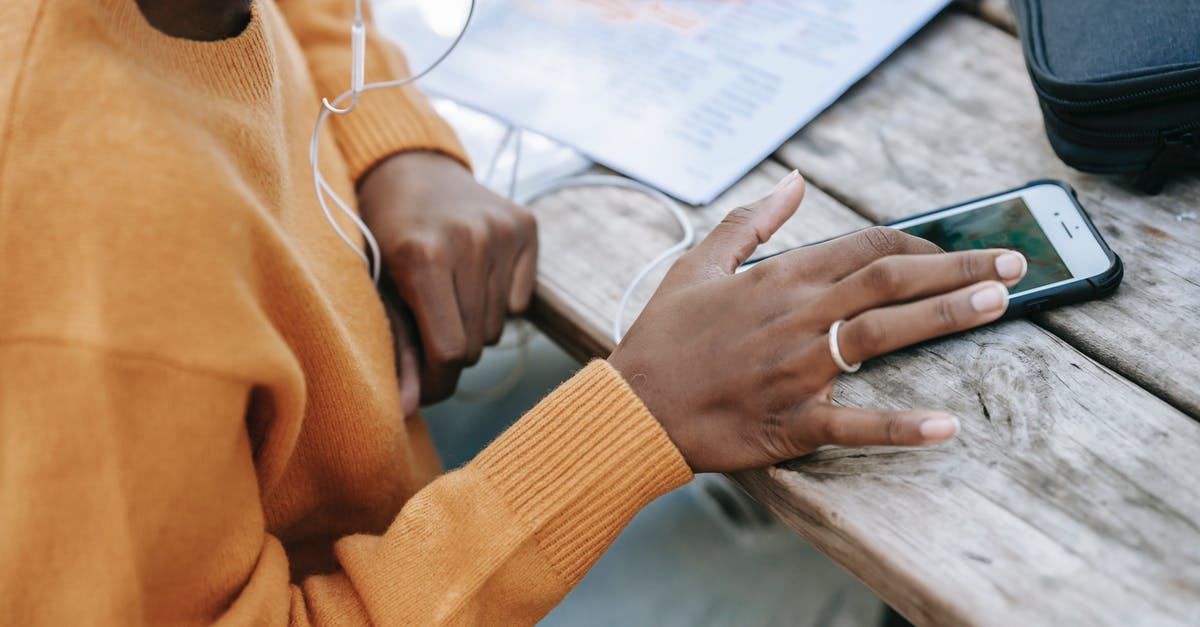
(685,95)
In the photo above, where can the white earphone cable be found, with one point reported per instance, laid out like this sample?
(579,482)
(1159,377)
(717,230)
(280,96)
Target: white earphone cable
(605,180)
(524,335)
(371,257)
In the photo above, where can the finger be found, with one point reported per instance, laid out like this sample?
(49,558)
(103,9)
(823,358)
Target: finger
(845,255)
(851,426)
(524,276)
(408,366)
(742,231)
(472,291)
(496,309)
(439,382)
(901,278)
(431,296)
(884,330)
(407,352)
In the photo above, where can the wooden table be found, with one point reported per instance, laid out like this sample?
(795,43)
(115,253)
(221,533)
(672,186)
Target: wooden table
(1071,495)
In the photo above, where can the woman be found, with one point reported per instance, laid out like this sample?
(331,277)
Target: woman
(201,418)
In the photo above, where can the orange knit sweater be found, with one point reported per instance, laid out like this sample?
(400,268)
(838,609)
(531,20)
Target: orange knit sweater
(199,414)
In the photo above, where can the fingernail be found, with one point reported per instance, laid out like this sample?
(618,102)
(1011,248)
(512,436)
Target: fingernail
(787,181)
(1011,265)
(939,428)
(993,297)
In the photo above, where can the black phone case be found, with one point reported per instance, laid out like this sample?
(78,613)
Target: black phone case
(1100,285)
(1094,287)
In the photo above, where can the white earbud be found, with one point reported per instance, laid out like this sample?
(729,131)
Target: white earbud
(358,61)
(358,44)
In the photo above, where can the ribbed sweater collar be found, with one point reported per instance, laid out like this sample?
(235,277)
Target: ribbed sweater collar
(241,67)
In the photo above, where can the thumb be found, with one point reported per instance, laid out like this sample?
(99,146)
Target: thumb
(737,236)
(408,366)
(408,356)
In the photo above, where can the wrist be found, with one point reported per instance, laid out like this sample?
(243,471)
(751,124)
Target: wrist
(409,165)
(648,388)
(412,174)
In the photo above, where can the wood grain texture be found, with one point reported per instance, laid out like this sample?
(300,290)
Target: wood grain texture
(953,116)
(1065,500)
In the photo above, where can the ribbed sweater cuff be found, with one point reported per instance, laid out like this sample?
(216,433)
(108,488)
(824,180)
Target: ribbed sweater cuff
(390,121)
(581,464)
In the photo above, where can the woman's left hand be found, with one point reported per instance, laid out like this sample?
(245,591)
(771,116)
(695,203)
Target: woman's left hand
(461,258)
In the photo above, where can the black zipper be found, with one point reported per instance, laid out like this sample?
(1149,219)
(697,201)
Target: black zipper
(1139,97)
(1177,149)
(1150,137)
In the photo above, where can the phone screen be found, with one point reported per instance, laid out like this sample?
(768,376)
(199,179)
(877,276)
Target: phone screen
(1007,224)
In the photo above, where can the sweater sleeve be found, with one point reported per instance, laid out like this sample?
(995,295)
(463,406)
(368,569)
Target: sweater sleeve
(503,540)
(129,495)
(386,121)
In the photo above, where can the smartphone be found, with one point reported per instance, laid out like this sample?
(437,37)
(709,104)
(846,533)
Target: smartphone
(1069,261)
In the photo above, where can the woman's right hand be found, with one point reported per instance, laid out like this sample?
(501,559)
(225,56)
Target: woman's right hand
(737,367)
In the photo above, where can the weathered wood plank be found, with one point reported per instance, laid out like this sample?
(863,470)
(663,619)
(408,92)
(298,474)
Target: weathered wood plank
(998,12)
(1065,500)
(1056,505)
(953,116)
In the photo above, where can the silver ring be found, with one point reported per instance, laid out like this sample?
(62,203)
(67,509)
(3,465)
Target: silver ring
(836,353)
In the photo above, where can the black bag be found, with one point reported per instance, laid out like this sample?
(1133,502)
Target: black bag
(1119,83)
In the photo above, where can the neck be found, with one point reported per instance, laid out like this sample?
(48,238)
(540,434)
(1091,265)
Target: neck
(200,20)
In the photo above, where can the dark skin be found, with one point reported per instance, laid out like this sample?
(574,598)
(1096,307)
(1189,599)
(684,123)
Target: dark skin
(459,258)
(201,20)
